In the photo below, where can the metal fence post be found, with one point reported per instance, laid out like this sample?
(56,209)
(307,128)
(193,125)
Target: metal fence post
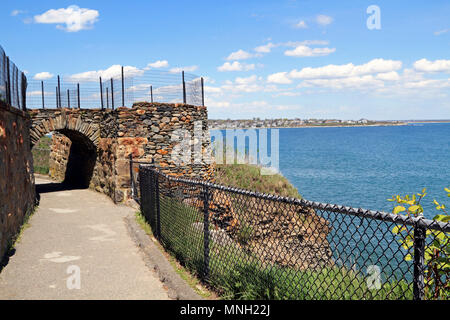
(68,98)
(123,90)
(184,87)
(112,94)
(107,98)
(206,232)
(203,94)
(101,92)
(59,92)
(419,262)
(78,95)
(151,94)
(42,89)
(8,82)
(24,85)
(158,209)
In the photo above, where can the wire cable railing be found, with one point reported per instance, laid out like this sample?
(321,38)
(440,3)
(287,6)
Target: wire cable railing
(123,88)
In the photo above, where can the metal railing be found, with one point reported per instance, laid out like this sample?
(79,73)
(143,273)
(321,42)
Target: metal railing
(123,88)
(258,246)
(13,83)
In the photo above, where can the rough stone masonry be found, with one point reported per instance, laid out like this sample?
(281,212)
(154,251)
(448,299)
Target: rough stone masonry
(90,147)
(17,194)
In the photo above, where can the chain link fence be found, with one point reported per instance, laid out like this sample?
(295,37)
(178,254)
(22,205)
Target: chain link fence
(13,83)
(123,88)
(248,245)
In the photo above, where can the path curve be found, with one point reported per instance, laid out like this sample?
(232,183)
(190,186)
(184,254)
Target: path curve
(78,232)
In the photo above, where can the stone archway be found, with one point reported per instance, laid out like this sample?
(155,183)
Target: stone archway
(73,164)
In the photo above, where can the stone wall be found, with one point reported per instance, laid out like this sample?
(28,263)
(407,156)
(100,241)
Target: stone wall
(149,131)
(17,193)
(154,131)
(59,155)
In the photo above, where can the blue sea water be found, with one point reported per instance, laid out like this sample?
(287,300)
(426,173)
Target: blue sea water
(363,166)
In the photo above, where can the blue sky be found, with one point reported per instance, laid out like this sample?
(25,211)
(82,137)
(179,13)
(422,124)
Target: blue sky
(306,59)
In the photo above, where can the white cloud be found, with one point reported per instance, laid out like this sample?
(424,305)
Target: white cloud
(185,69)
(301,25)
(73,17)
(235,66)
(347,70)
(213,90)
(367,81)
(439,32)
(280,77)
(424,65)
(247,80)
(38,93)
(265,48)
(306,43)
(43,76)
(430,83)
(324,20)
(388,76)
(17,12)
(158,64)
(115,71)
(240,55)
(305,51)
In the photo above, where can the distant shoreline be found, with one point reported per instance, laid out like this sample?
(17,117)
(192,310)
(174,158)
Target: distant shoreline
(323,126)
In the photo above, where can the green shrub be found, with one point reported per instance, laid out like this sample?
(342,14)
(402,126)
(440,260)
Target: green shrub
(437,250)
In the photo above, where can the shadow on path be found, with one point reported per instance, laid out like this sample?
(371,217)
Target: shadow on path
(54,187)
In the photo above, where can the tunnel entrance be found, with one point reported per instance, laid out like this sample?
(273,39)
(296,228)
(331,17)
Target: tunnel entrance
(70,158)
(81,160)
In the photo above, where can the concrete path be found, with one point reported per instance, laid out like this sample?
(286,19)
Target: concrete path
(78,232)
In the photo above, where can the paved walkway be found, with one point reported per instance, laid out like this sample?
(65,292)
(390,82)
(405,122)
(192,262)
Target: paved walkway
(77,232)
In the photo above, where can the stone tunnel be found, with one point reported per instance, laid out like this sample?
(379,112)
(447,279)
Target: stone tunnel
(91,147)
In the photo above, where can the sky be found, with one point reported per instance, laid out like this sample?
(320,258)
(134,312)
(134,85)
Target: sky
(269,59)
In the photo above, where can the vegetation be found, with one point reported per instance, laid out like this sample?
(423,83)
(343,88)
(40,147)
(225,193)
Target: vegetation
(247,176)
(191,280)
(41,155)
(238,274)
(437,250)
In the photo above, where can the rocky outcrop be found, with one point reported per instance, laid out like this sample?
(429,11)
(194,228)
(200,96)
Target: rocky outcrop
(274,232)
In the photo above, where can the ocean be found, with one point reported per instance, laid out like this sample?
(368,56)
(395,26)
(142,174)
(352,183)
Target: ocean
(362,167)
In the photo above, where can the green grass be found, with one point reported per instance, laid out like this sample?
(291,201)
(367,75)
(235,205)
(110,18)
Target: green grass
(238,274)
(41,155)
(11,244)
(191,280)
(247,176)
